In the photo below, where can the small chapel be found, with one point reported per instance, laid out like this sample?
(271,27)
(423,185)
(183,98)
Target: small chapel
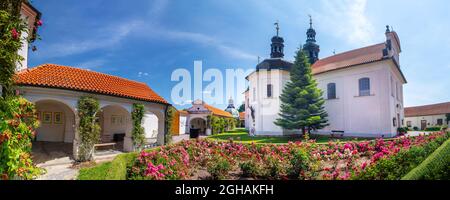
(363,88)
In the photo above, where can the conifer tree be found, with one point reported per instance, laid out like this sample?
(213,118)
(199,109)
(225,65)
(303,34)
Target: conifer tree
(302,104)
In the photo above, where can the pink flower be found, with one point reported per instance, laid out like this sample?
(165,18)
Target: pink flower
(39,23)
(14,34)
(364,165)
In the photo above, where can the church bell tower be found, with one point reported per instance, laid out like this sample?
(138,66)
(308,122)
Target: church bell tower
(277,46)
(311,48)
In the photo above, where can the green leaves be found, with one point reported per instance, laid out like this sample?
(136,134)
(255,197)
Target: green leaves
(17,123)
(302,105)
(89,128)
(138,135)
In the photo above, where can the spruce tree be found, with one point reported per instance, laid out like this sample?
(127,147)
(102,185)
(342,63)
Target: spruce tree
(302,104)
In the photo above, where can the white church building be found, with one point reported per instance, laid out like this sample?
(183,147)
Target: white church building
(363,89)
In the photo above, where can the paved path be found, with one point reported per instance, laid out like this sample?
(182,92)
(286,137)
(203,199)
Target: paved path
(63,169)
(59,169)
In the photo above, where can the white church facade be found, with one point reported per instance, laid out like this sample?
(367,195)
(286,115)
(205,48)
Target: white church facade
(363,89)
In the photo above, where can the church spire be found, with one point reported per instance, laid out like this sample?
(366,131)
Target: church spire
(311,48)
(277,46)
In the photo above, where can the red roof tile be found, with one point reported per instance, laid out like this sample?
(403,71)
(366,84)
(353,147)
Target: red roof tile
(435,109)
(217,111)
(350,58)
(63,77)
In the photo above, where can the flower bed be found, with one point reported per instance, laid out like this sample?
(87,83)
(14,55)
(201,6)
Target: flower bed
(198,159)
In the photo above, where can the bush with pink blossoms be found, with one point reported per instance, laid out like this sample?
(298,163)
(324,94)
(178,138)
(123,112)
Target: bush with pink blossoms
(301,160)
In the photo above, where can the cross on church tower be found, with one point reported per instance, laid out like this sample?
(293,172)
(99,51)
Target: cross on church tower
(277,26)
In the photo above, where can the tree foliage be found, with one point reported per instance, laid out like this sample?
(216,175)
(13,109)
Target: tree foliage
(242,108)
(302,105)
(11,28)
(171,113)
(89,128)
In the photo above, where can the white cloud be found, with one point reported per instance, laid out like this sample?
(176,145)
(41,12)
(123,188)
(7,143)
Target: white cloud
(105,37)
(210,41)
(347,19)
(92,64)
(142,74)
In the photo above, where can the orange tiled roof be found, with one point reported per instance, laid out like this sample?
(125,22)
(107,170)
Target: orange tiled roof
(217,111)
(350,58)
(183,112)
(242,115)
(63,77)
(435,109)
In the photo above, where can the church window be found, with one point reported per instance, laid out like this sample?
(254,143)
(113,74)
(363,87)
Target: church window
(364,87)
(394,122)
(331,90)
(392,86)
(269,90)
(440,122)
(409,123)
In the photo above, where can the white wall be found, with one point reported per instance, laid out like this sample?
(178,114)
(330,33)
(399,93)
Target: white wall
(366,116)
(150,124)
(183,124)
(266,108)
(369,116)
(119,126)
(52,132)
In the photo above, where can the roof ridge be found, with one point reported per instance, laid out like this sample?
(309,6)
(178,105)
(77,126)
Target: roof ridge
(90,71)
(350,51)
(435,104)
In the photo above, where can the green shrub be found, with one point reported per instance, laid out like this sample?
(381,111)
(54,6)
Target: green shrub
(218,168)
(250,168)
(170,115)
(435,167)
(137,133)
(416,128)
(299,164)
(114,170)
(433,128)
(395,167)
(275,168)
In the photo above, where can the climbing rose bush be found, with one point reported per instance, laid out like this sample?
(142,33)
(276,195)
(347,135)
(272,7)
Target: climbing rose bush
(17,123)
(300,160)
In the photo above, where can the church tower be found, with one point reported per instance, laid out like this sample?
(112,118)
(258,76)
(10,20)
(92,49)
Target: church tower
(311,48)
(277,50)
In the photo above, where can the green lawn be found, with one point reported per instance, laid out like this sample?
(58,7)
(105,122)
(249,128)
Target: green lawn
(240,135)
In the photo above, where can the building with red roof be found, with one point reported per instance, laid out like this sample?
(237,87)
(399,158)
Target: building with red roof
(56,90)
(421,117)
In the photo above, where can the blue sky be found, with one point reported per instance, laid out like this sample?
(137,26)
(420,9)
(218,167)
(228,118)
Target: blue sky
(146,40)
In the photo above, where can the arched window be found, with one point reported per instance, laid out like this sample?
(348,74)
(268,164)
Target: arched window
(364,87)
(331,90)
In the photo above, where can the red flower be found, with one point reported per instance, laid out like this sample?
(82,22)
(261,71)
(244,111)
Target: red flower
(39,23)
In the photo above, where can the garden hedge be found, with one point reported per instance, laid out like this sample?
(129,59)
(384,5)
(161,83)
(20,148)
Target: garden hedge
(114,170)
(436,166)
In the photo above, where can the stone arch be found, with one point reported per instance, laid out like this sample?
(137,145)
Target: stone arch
(198,123)
(115,122)
(58,121)
(154,123)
